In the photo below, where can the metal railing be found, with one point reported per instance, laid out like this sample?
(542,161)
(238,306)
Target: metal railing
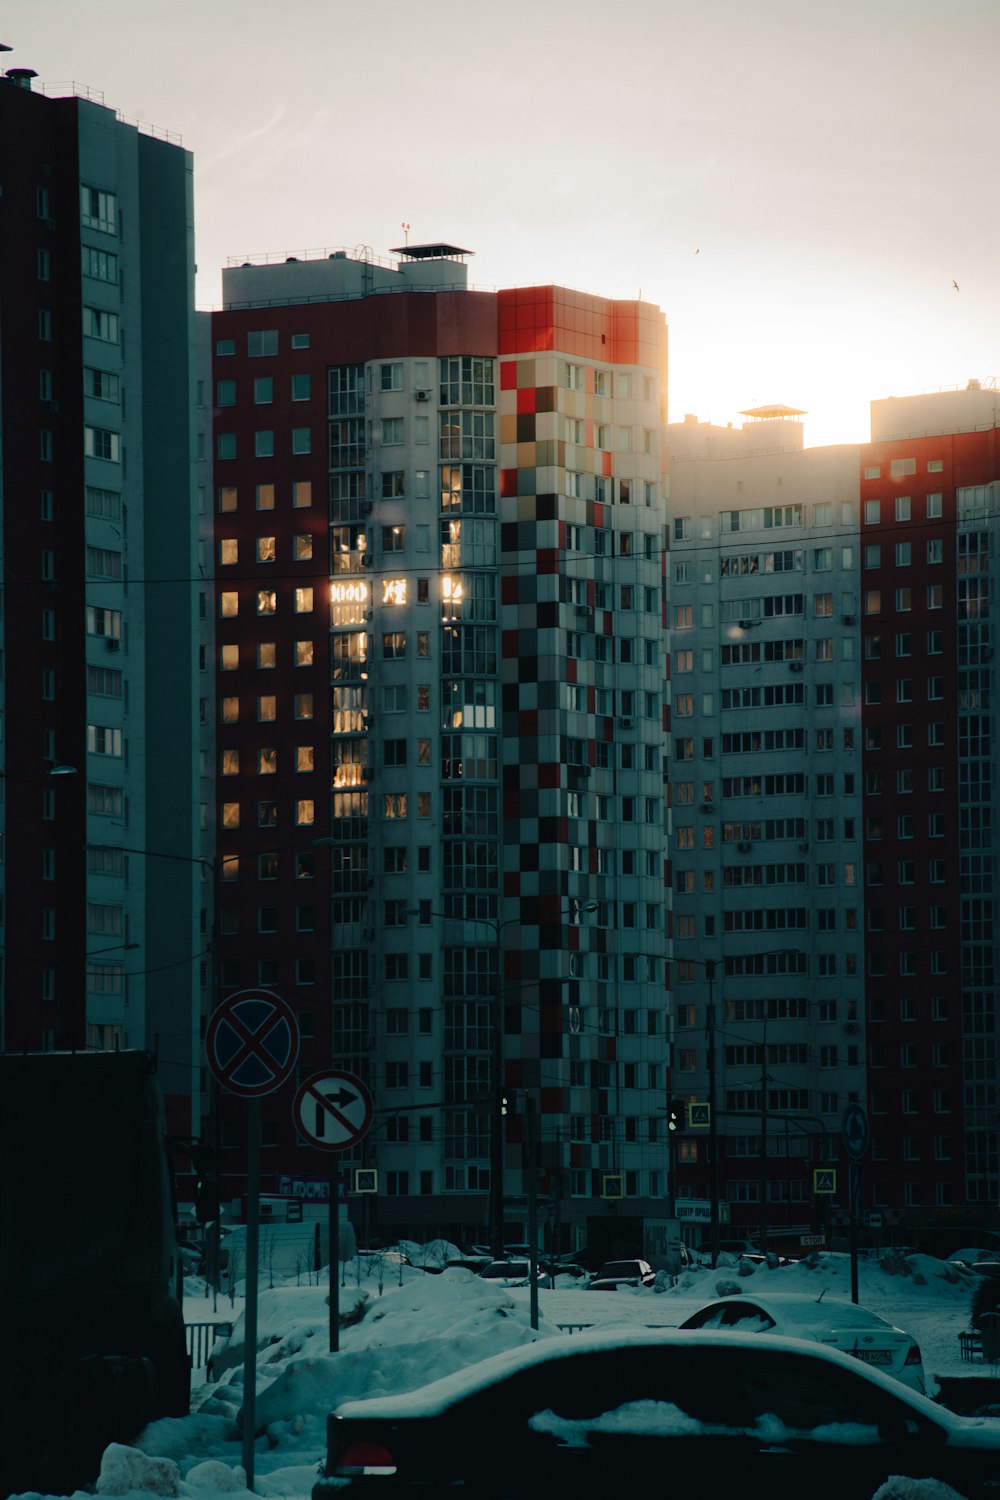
(201,1337)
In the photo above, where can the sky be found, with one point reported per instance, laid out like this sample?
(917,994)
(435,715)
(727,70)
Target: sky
(417,1328)
(796,184)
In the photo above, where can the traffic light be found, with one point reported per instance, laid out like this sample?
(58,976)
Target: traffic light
(676,1111)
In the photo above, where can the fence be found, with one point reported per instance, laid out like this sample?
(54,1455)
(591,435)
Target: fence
(201,1337)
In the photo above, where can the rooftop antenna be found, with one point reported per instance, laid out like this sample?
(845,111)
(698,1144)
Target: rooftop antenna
(406,233)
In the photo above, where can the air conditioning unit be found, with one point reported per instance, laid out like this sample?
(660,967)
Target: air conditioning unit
(746,624)
(850,619)
(366,507)
(851,1026)
(625,723)
(795,666)
(423,395)
(112,643)
(744,848)
(366,559)
(583,770)
(369,614)
(708,807)
(367,773)
(803,848)
(583,611)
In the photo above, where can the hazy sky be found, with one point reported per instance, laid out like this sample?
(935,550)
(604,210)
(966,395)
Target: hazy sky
(796,183)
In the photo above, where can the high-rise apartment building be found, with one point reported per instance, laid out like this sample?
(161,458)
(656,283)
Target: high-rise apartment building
(833,837)
(102,935)
(442,727)
(768,970)
(930,498)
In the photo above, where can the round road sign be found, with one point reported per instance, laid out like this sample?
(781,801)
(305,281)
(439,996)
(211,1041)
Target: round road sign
(252,1043)
(855,1131)
(333,1110)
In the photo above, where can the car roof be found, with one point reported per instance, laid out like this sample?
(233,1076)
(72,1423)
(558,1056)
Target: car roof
(806,1311)
(431,1400)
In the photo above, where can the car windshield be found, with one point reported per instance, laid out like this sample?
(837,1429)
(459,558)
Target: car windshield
(620,1268)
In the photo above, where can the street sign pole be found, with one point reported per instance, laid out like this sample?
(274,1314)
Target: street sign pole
(333,1110)
(334,1256)
(250,1306)
(856,1134)
(251,1046)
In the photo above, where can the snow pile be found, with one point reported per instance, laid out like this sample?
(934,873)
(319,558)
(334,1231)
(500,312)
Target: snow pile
(407,1328)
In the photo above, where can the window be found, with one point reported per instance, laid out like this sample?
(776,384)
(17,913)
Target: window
(100,265)
(98,209)
(301,387)
(904,554)
(263,444)
(303,653)
(301,439)
(101,384)
(301,493)
(262,342)
(902,504)
(100,324)
(392,430)
(935,550)
(302,546)
(98,442)
(263,390)
(934,507)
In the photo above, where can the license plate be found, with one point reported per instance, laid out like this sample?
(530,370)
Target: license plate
(873,1356)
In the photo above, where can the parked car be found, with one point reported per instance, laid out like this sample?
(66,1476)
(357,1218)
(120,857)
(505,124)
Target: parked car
(972,1256)
(838,1324)
(507,1272)
(616,1273)
(778,1417)
(703,1254)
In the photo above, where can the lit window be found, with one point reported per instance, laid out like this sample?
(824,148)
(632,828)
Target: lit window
(230,762)
(267,601)
(304,758)
(229,658)
(302,546)
(267,708)
(303,653)
(229,604)
(230,710)
(267,654)
(229,551)
(267,762)
(265,497)
(302,493)
(303,601)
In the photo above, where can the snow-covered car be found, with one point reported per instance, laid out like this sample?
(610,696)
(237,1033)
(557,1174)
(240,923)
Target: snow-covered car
(507,1272)
(591,1411)
(831,1321)
(703,1254)
(616,1273)
(971,1256)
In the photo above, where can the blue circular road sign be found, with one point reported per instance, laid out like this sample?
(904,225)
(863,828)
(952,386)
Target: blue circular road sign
(252,1043)
(855,1131)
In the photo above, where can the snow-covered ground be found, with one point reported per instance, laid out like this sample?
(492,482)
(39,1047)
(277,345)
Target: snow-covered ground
(408,1328)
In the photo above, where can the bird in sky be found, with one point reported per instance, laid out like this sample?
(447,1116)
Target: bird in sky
(955,285)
